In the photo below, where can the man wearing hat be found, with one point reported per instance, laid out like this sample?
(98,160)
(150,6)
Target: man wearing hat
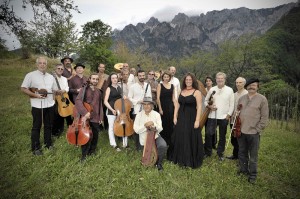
(68,72)
(76,83)
(254,117)
(149,118)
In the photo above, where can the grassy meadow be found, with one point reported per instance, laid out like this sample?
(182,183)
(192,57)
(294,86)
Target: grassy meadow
(111,174)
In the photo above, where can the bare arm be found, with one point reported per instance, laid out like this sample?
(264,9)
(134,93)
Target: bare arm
(158,99)
(198,97)
(107,93)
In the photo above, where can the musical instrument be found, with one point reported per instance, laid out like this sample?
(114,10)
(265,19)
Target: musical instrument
(150,155)
(206,111)
(79,134)
(118,66)
(41,91)
(65,106)
(123,124)
(201,88)
(236,127)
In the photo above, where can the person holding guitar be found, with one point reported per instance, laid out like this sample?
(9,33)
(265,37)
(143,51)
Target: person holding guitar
(63,106)
(150,119)
(38,85)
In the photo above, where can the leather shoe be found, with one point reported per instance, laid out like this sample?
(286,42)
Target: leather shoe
(159,167)
(221,158)
(232,157)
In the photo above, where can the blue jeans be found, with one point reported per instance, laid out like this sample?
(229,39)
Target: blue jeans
(248,153)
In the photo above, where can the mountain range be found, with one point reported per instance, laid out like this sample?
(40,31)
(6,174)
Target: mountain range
(184,35)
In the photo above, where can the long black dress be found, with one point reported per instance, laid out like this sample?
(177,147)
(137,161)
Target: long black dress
(188,144)
(167,106)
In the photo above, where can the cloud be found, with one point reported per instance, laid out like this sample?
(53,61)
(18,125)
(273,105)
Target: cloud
(167,13)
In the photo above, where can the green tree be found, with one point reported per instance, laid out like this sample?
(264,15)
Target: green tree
(95,45)
(43,10)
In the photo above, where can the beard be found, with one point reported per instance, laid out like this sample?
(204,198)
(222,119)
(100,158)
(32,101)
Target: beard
(142,80)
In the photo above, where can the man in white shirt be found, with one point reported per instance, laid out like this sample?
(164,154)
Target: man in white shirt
(136,94)
(239,83)
(131,79)
(175,81)
(61,89)
(39,85)
(148,118)
(221,111)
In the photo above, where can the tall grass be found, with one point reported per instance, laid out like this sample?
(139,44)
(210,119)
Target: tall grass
(110,174)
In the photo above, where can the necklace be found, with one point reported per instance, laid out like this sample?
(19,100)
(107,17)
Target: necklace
(189,88)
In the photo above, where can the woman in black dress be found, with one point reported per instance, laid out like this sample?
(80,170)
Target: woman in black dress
(187,138)
(166,102)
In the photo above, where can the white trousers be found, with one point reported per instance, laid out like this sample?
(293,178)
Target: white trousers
(112,139)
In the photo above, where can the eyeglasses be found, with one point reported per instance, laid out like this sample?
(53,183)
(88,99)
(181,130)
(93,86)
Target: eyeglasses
(60,69)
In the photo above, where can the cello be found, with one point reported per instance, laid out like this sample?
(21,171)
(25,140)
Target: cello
(79,133)
(123,124)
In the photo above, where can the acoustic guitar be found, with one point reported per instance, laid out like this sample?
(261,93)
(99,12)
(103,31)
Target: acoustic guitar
(64,104)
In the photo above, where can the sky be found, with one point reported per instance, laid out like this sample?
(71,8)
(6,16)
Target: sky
(119,13)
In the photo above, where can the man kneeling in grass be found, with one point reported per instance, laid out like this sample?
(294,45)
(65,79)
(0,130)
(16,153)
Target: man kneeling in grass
(148,118)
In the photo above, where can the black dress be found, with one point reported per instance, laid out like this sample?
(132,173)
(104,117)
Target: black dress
(188,144)
(167,106)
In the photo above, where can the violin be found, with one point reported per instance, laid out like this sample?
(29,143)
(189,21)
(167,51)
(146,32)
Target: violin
(236,127)
(150,155)
(43,92)
(123,124)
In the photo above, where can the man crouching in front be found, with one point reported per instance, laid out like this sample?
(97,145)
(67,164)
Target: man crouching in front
(146,119)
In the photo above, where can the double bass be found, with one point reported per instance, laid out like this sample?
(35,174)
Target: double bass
(123,124)
(150,155)
(79,133)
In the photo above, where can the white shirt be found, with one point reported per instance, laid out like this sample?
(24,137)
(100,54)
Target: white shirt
(136,93)
(141,118)
(223,99)
(37,79)
(63,83)
(176,83)
(131,80)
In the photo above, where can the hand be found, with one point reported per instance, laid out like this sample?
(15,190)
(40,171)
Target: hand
(161,112)
(87,116)
(149,124)
(124,97)
(78,90)
(175,121)
(196,124)
(114,112)
(228,117)
(39,96)
(212,107)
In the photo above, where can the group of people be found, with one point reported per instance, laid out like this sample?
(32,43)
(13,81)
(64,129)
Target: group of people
(174,110)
